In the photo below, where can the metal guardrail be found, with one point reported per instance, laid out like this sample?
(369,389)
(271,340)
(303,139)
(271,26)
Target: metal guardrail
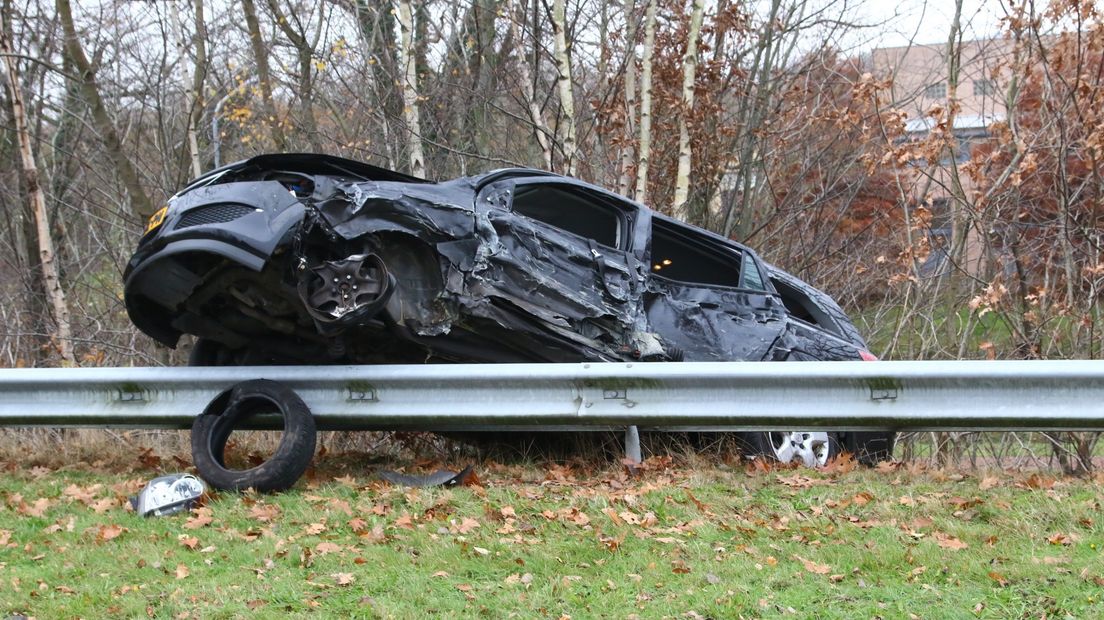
(959,395)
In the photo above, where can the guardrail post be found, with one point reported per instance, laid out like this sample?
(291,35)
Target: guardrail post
(632,446)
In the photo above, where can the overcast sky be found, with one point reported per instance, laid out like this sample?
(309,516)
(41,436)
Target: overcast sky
(896,22)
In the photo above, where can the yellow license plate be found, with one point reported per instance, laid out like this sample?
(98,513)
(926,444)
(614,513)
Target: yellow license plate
(156,219)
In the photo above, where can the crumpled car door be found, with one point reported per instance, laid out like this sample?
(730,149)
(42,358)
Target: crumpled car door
(709,323)
(552,268)
(707,298)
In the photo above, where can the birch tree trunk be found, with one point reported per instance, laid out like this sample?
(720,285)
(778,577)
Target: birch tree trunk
(624,183)
(193,80)
(411,111)
(90,90)
(56,295)
(645,147)
(562,60)
(540,129)
(689,69)
(264,76)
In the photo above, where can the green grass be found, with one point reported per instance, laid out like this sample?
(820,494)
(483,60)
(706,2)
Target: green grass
(939,326)
(539,541)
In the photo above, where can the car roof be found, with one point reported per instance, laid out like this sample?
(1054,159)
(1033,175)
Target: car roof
(481,181)
(311,163)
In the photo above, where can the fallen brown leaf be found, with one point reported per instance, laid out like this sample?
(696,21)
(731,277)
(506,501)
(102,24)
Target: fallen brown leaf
(200,518)
(84,495)
(324,548)
(467,524)
(1036,481)
(813,567)
(886,467)
(862,499)
(341,505)
(103,505)
(1059,539)
(949,542)
(841,464)
(37,509)
(799,481)
(264,512)
(376,535)
(109,532)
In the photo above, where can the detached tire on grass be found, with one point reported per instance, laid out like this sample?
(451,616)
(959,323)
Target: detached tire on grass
(212,429)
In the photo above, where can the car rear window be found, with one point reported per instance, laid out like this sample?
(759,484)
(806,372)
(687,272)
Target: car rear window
(801,306)
(681,255)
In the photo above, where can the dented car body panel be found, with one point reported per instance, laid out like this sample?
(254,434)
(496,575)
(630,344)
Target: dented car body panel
(316,259)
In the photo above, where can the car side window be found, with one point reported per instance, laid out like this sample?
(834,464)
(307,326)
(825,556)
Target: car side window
(682,254)
(574,210)
(752,277)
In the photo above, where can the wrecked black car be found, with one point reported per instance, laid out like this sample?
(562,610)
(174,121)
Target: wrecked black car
(314,259)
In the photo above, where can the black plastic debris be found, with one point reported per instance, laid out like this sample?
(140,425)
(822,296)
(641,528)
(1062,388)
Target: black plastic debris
(439,478)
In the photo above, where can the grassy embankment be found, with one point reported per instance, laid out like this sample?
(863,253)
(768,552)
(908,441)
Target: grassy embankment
(682,540)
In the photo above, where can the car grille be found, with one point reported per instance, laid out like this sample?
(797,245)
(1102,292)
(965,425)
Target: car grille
(213,214)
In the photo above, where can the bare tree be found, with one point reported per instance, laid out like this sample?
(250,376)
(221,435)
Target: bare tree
(90,90)
(411,107)
(562,60)
(644,149)
(689,68)
(193,79)
(625,180)
(37,197)
(264,75)
(295,29)
(525,76)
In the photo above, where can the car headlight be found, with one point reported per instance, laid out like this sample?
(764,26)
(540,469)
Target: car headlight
(168,495)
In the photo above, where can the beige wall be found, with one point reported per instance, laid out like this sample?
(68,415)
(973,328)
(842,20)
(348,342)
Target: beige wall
(920,70)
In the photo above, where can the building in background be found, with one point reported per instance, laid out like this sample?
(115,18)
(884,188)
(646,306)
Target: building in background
(920,83)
